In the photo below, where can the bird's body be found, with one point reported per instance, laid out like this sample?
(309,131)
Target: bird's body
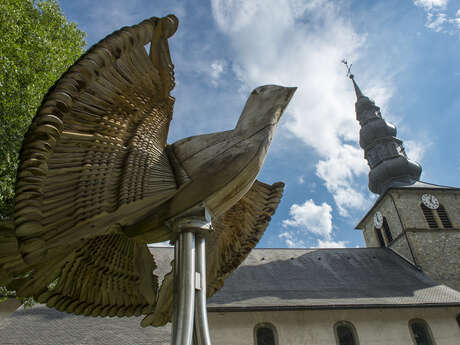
(219,168)
(97,181)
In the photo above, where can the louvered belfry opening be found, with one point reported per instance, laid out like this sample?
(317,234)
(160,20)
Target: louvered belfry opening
(429,216)
(378,232)
(444,217)
(386,228)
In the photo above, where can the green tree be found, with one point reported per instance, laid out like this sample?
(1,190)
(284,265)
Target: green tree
(37,44)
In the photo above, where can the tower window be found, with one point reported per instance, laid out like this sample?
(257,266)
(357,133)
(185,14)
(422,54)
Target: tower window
(420,332)
(378,233)
(386,228)
(444,217)
(429,216)
(265,334)
(345,333)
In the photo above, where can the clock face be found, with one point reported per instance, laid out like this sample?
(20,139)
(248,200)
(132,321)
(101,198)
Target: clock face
(430,201)
(378,220)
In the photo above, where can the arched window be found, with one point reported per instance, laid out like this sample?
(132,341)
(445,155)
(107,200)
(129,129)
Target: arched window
(265,334)
(386,228)
(420,332)
(458,320)
(345,333)
(378,233)
(429,216)
(444,217)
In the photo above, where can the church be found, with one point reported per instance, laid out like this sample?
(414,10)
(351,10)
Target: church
(403,288)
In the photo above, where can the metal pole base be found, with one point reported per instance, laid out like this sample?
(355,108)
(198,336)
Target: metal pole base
(190,320)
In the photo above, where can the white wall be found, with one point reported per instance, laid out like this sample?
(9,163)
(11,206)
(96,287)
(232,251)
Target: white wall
(315,327)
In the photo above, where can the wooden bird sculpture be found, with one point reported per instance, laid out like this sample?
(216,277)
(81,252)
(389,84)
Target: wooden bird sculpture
(97,182)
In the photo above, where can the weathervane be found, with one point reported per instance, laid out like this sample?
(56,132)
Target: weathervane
(349,74)
(97,182)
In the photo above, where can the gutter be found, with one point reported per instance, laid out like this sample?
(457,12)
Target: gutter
(212,309)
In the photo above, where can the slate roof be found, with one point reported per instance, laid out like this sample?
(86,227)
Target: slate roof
(280,279)
(270,279)
(41,325)
(424,185)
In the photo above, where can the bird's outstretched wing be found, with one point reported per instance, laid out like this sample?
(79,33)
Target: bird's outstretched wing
(94,154)
(235,234)
(108,275)
(92,161)
(238,231)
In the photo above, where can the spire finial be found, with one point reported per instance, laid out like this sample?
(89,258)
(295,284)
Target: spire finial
(352,77)
(349,75)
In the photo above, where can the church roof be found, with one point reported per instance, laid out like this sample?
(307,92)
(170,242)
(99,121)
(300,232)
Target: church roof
(286,279)
(424,185)
(40,325)
(269,279)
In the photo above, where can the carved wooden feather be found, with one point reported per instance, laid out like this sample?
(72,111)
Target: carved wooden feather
(97,181)
(236,233)
(95,150)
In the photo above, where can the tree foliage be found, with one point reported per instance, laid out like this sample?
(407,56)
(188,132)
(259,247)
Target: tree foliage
(37,44)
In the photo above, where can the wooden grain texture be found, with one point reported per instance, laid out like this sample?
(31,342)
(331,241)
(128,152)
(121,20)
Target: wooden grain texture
(235,234)
(96,148)
(97,181)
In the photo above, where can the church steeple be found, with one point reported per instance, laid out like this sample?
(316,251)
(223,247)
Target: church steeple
(384,153)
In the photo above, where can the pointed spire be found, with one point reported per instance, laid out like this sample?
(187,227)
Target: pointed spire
(358,92)
(385,155)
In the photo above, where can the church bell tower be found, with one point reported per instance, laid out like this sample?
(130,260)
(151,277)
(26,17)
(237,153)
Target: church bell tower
(419,221)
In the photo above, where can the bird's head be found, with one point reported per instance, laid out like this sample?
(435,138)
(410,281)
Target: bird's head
(264,107)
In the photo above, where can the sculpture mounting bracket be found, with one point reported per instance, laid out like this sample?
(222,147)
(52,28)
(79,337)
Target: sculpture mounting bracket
(190,320)
(196,219)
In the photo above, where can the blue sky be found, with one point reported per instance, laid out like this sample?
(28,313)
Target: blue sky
(405,56)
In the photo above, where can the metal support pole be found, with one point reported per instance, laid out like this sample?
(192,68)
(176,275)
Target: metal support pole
(186,295)
(175,289)
(189,319)
(201,314)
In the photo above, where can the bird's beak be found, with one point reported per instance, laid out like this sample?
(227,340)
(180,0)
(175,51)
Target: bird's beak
(291,91)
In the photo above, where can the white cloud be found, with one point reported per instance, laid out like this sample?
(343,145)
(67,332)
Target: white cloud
(301,179)
(349,198)
(436,17)
(217,68)
(436,21)
(340,168)
(415,150)
(331,244)
(309,217)
(338,172)
(304,48)
(430,4)
(456,20)
(291,240)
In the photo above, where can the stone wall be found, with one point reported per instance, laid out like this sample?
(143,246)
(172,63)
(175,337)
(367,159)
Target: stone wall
(408,202)
(388,210)
(316,327)
(401,247)
(436,251)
